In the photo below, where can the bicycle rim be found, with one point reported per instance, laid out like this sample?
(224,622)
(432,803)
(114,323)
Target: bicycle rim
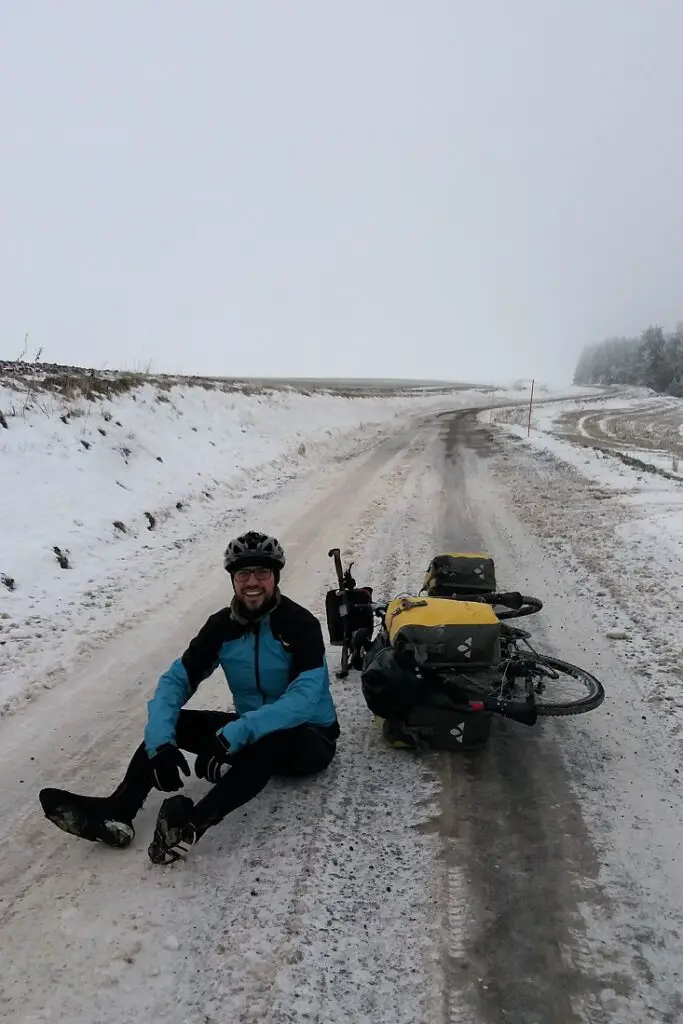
(574,693)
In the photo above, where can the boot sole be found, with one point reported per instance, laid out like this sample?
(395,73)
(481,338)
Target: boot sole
(169,843)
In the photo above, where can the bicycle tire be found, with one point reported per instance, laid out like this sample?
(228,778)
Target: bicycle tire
(531,606)
(344,667)
(359,644)
(557,709)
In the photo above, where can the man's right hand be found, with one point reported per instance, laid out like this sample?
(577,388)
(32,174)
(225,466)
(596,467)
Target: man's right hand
(166,764)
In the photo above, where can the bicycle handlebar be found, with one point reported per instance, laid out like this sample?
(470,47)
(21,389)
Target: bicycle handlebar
(335,553)
(344,577)
(523,712)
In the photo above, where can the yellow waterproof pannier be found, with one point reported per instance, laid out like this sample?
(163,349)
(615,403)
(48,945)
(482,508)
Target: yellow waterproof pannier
(439,631)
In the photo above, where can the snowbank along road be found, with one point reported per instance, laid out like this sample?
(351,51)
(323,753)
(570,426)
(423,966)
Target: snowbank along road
(538,882)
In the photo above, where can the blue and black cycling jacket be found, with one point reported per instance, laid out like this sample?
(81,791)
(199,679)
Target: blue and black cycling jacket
(275,667)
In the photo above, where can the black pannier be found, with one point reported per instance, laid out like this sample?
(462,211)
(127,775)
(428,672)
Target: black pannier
(460,575)
(389,683)
(438,725)
(348,609)
(417,715)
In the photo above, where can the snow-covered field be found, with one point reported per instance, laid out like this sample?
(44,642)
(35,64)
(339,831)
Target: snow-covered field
(637,425)
(103,493)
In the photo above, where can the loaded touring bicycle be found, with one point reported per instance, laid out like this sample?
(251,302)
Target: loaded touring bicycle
(437,667)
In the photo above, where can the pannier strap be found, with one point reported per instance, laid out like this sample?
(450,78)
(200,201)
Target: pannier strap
(407,603)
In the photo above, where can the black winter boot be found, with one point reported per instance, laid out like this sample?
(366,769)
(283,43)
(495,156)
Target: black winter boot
(174,834)
(88,817)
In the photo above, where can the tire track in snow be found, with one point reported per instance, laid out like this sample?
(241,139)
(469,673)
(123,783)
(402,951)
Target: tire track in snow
(620,762)
(508,820)
(366,908)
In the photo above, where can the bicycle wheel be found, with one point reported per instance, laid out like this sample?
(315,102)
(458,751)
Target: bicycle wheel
(583,691)
(344,666)
(530,607)
(360,644)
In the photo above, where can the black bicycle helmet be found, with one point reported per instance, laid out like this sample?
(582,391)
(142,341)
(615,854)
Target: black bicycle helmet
(254,548)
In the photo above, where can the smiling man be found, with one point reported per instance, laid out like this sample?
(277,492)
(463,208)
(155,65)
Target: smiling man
(273,655)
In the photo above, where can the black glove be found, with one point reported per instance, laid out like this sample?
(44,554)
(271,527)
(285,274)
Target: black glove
(212,763)
(166,765)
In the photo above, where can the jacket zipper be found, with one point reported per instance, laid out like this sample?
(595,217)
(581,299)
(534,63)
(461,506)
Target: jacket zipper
(257,629)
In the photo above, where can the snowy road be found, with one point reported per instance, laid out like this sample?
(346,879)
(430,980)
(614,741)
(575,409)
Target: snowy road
(540,882)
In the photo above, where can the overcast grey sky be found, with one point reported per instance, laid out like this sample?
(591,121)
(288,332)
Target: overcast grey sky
(440,188)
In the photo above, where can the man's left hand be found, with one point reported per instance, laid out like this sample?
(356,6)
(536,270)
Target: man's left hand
(212,763)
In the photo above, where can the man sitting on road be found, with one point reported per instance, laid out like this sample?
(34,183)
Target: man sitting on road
(273,654)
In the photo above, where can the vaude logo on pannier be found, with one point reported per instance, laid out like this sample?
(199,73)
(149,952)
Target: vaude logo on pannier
(458,732)
(466,648)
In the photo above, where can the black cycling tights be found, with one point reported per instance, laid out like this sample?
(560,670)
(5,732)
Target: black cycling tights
(304,750)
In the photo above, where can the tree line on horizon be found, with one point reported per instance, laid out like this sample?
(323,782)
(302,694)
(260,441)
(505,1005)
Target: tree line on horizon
(653,360)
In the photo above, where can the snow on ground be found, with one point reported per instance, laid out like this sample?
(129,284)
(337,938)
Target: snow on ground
(102,494)
(334,899)
(317,902)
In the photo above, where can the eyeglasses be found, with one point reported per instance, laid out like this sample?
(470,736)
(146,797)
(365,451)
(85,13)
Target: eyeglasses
(260,572)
